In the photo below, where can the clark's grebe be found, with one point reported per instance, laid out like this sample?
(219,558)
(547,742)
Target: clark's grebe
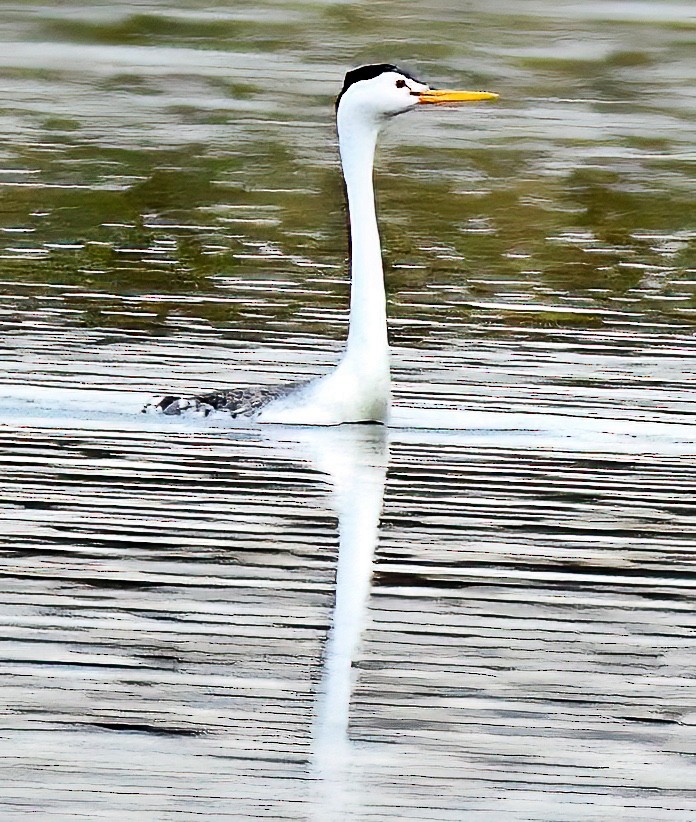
(358,389)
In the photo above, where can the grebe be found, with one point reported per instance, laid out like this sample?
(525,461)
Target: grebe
(358,389)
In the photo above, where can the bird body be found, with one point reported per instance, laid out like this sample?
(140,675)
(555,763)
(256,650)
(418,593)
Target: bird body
(358,389)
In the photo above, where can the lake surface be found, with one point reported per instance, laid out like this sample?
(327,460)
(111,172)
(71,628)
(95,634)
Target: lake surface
(483,612)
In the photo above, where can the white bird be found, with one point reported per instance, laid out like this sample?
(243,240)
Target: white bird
(358,389)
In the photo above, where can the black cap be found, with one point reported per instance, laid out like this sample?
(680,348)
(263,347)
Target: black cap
(368,73)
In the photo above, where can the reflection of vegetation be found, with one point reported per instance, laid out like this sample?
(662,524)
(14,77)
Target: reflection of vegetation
(590,64)
(138,29)
(247,200)
(611,204)
(131,83)
(173,187)
(552,319)
(169,228)
(61,124)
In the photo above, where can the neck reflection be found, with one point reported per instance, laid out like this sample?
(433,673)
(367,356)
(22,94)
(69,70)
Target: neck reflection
(355,458)
(358,491)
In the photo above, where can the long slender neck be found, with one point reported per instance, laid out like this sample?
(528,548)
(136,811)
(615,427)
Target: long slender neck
(367,336)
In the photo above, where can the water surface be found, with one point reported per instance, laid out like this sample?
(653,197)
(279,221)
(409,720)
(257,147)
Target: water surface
(204,619)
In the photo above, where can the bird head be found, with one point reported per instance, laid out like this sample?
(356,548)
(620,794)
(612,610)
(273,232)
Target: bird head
(379,92)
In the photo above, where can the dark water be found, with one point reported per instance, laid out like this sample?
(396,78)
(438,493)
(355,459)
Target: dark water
(205,621)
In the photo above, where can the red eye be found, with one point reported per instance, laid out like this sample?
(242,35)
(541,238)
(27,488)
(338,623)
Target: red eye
(400,83)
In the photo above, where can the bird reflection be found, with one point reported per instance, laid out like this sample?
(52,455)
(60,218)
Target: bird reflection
(355,458)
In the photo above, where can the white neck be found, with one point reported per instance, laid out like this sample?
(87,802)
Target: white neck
(367,337)
(358,389)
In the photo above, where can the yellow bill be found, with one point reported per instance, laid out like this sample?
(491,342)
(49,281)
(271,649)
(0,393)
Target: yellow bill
(441,95)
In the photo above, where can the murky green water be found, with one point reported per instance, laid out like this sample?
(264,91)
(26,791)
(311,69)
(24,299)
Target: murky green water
(172,220)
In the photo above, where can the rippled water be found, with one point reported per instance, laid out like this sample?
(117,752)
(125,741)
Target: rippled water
(201,619)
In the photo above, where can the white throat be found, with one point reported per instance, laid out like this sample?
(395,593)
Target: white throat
(367,337)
